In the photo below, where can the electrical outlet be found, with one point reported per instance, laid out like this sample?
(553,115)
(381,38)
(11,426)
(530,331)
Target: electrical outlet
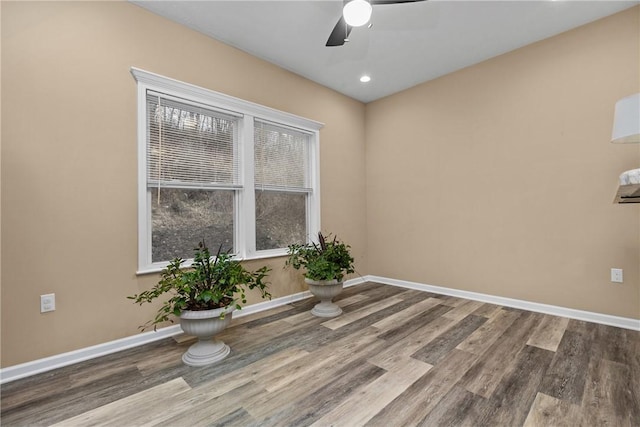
(47,303)
(616,275)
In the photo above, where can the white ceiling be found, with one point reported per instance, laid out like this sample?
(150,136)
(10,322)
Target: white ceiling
(408,43)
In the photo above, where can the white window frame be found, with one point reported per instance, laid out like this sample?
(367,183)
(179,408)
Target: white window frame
(244,220)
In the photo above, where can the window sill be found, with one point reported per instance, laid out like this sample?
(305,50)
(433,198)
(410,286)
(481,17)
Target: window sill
(158,267)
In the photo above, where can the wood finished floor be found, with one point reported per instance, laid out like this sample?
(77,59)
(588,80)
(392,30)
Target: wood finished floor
(395,357)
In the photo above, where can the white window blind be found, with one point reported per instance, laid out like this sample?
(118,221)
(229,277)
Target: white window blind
(281,158)
(189,145)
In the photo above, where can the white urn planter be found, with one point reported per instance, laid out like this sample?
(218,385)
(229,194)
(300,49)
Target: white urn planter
(205,324)
(325,290)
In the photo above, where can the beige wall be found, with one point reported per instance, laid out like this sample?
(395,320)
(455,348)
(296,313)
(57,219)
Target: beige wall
(500,178)
(436,186)
(69,162)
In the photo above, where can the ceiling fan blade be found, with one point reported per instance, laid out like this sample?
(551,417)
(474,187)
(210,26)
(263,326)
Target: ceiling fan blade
(376,2)
(340,32)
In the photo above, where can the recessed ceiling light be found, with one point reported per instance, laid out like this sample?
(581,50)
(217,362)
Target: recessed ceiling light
(365,79)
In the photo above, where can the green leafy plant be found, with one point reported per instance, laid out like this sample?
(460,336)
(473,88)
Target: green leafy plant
(210,283)
(328,259)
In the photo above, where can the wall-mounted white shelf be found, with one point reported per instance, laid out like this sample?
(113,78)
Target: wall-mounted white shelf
(628,194)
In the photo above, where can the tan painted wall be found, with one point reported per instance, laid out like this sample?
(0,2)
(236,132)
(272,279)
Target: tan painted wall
(69,162)
(500,178)
(435,181)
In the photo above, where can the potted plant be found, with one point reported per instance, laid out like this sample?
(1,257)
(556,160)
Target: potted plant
(326,263)
(203,297)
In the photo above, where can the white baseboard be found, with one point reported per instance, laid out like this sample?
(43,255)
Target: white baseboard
(27,369)
(12,373)
(24,370)
(605,319)
(277,302)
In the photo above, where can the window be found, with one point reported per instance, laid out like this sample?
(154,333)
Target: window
(213,167)
(281,185)
(192,175)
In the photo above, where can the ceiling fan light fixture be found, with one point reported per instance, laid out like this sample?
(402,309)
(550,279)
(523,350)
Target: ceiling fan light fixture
(357,12)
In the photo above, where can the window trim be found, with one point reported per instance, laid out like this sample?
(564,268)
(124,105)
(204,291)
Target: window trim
(244,231)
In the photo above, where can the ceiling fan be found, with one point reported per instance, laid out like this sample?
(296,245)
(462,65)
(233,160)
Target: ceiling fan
(356,13)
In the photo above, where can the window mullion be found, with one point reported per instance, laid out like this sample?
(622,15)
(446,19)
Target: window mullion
(247,212)
(313,199)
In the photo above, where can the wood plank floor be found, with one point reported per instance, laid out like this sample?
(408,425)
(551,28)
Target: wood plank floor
(396,357)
